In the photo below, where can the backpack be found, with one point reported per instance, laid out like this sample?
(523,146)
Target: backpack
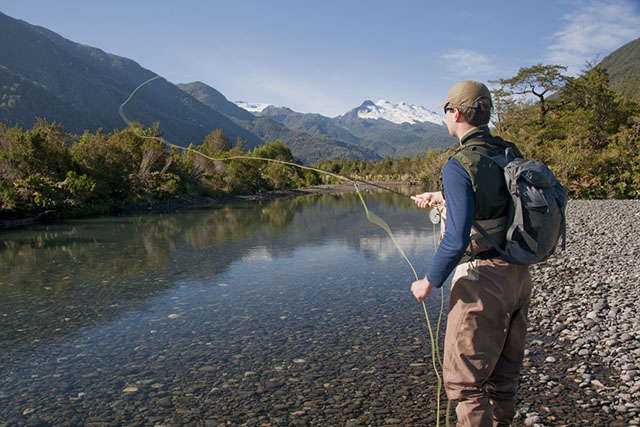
(536,215)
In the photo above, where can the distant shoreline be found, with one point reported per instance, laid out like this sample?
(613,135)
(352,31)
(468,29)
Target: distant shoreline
(198,202)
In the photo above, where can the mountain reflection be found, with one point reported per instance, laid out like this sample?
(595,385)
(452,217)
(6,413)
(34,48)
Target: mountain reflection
(59,278)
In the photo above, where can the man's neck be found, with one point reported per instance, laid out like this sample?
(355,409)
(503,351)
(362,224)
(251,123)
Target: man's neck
(462,130)
(474,130)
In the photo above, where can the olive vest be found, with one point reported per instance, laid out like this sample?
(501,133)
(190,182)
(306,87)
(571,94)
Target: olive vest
(488,182)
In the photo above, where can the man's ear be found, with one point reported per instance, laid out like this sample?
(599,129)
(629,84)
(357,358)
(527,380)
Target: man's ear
(457,115)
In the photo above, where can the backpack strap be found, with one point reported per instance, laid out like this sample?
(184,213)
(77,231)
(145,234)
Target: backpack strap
(491,241)
(518,224)
(493,149)
(564,229)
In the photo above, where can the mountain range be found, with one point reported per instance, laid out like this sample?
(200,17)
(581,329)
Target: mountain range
(370,131)
(43,75)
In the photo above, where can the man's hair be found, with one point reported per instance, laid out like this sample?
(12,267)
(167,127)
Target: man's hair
(478,115)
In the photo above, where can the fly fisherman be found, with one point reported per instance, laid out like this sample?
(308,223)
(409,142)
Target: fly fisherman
(487,320)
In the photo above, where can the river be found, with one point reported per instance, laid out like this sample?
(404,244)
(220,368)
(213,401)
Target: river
(288,311)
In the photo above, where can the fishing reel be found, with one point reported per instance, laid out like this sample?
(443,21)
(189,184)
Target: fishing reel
(435,214)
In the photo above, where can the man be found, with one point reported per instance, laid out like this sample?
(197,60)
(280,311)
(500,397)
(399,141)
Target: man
(487,321)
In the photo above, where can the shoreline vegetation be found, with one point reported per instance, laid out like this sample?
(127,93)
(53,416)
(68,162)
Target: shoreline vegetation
(48,174)
(583,130)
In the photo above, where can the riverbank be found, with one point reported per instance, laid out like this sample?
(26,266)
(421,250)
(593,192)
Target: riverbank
(583,353)
(200,202)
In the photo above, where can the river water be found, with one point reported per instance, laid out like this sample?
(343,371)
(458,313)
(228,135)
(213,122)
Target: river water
(289,311)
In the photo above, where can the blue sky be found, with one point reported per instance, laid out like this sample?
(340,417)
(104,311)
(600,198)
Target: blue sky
(329,56)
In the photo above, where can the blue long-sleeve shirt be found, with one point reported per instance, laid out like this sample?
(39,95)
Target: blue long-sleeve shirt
(458,192)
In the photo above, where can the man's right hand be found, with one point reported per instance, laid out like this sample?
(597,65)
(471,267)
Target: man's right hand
(421,289)
(426,200)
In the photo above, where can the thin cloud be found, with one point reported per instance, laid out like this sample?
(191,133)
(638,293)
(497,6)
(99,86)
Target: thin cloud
(302,96)
(595,30)
(467,62)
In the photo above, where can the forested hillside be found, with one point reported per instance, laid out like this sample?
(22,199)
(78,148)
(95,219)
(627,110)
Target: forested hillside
(44,75)
(623,66)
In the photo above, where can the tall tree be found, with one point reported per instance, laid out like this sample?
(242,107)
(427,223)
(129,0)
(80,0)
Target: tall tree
(216,141)
(539,81)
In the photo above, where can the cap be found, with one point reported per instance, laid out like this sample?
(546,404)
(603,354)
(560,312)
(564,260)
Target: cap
(466,94)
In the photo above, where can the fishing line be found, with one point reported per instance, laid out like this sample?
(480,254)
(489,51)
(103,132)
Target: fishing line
(371,217)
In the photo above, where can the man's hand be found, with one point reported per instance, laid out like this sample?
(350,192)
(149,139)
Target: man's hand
(421,288)
(426,200)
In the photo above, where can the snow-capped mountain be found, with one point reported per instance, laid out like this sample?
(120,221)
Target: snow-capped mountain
(383,128)
(251,106)
(398,113)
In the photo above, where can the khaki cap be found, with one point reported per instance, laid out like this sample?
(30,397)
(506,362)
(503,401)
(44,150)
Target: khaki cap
(466,94)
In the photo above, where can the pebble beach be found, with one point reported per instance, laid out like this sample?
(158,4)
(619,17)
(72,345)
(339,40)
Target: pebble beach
(582,361)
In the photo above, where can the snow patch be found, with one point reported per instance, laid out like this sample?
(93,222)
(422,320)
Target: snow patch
(399,113)
(251,106)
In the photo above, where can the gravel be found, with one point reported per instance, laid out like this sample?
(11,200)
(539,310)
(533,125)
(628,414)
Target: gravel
(584,318)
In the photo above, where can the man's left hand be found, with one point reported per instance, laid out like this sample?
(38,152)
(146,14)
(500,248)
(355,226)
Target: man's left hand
(421,289)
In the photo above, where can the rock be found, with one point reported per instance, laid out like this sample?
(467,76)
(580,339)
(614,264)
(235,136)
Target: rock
(130,389)
(550,359)
(600,305)
(165,402)
(530,420)
(625,337)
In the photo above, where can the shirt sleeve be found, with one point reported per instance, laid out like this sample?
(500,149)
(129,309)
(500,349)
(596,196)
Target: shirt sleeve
(458,192)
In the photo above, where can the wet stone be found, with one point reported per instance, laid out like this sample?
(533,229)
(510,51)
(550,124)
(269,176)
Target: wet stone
(165,402)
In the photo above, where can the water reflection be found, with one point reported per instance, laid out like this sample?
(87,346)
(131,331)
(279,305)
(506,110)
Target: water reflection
(245,283)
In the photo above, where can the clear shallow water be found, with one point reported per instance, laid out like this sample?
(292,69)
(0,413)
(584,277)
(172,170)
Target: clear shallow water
(286,311)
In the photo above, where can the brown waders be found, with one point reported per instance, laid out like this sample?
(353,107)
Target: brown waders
(485,340)
(486,332)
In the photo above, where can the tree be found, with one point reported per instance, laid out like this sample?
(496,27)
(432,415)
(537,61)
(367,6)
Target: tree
(502,105)
(216,141)
(538,80)
(603,110)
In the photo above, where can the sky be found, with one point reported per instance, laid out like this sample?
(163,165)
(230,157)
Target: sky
(329,56)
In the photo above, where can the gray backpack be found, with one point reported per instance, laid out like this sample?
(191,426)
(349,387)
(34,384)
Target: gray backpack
(536,217)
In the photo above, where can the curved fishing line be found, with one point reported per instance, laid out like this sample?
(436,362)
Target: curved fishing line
(435,247)
(375,219)
(371,217)
(240,157)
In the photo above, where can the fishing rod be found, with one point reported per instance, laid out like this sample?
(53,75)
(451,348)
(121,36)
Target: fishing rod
(435,217)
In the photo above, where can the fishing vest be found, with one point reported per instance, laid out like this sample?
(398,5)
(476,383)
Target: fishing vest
(491,194)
